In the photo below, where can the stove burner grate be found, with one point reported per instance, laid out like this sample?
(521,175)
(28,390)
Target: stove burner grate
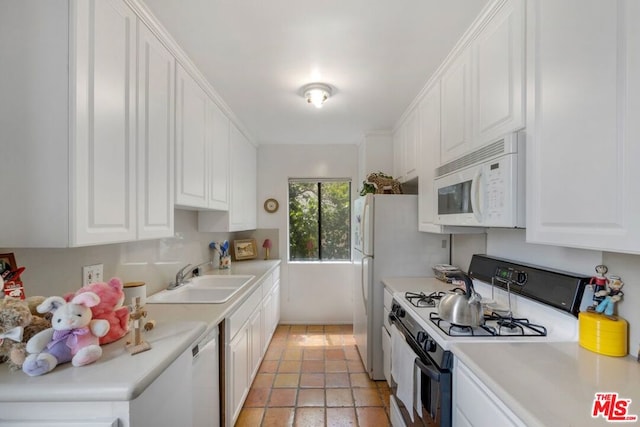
(495,325)
(422,300)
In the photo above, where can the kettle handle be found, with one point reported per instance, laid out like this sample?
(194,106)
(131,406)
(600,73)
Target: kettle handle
(468,284)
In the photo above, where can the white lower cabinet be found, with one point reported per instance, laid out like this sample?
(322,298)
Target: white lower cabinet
(237,373)
(165,402)
(386,335)
(386,354)
(475,405)
(249,329)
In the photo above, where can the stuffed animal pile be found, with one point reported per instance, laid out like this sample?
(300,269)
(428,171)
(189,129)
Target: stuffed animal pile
(18,323)
(73,337)
(110,308)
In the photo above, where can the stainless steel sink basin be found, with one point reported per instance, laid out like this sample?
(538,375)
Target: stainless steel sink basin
(210,289)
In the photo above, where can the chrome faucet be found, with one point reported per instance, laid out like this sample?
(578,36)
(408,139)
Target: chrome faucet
(181,275)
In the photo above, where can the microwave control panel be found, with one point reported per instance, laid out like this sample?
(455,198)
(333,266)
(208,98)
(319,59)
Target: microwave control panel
(495,189)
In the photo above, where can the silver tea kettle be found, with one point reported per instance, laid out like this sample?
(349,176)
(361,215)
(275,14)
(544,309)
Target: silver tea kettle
(462,309)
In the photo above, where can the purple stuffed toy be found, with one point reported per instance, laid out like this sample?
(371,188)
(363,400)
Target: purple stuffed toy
(73,336)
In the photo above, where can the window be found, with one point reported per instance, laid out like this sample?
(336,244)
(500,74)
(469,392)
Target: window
(319,220)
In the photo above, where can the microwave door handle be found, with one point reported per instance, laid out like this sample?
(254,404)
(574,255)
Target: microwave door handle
(476,188)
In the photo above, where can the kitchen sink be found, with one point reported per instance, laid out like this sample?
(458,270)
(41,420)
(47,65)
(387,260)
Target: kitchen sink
(210,289)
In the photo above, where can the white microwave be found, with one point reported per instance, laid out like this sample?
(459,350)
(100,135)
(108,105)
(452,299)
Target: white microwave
(485,188)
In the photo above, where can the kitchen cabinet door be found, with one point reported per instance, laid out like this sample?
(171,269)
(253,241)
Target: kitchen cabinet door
(192,145)
(219,159)
(103,124)
(429,109)
(255,327)
(456,108)
(398,153)
(156,100)
(428,155)
(238,365)
(475,405)
(583,124)
(498,83)
(410,149)
(242,213)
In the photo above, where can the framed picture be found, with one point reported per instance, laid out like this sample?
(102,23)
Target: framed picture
(7,264)
(245,249)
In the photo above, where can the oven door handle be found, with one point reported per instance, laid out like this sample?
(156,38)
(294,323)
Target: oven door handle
(428,370)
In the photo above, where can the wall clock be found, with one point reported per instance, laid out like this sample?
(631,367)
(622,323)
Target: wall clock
(271,205)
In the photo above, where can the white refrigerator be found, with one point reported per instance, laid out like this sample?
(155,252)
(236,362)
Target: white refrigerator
(387,243)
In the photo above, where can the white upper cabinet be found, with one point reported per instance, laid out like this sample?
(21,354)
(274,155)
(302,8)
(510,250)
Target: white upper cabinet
(242,213)
(202,148)
(68,117)
(456,108)
(156,100)
(103,126)
(483,83)
(406,139)
(192,145)
(429,109)
(428,155)
(583,124)
(219,159)
(411,142)
(498,84)
(398,153)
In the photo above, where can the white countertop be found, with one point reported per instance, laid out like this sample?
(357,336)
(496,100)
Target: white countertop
(551,384)
(213,314)
(118,375)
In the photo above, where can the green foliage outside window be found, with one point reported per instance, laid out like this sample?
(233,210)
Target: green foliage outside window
(319,220)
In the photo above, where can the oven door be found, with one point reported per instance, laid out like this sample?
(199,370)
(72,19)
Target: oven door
(435,405)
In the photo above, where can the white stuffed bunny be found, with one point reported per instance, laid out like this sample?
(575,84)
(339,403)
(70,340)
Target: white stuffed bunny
(72,337)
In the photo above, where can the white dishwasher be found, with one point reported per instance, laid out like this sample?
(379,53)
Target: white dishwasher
(206,399)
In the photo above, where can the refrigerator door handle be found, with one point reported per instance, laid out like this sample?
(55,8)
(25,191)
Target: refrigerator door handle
(364,298)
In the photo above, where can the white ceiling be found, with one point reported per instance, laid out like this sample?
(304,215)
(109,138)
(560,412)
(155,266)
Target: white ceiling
(376,54)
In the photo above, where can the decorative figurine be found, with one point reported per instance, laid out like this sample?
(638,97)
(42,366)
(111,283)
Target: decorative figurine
(610,297)
(599,283)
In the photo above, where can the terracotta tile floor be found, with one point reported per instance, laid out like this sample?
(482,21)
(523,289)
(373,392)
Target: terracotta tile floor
(313,376)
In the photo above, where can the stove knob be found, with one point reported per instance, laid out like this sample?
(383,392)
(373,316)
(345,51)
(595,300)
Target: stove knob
(521,278)
(401,312)
(422,337)
(429,346)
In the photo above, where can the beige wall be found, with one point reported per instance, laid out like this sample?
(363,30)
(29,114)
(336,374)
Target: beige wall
(310,292)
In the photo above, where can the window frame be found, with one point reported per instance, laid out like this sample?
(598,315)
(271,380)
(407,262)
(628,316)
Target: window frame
(319,182)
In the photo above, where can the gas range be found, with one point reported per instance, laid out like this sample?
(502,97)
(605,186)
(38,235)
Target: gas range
(524,303)
(511,312)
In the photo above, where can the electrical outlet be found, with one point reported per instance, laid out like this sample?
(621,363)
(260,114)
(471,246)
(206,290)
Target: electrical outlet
(91,274)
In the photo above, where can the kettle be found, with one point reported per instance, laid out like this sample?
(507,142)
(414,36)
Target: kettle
(463,309)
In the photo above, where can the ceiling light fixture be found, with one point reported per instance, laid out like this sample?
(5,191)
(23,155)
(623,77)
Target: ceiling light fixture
(317,93)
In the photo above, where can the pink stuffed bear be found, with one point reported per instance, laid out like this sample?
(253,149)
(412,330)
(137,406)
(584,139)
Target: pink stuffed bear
(110,307)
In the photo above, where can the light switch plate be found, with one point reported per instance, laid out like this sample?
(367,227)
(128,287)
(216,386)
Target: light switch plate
(92,274)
